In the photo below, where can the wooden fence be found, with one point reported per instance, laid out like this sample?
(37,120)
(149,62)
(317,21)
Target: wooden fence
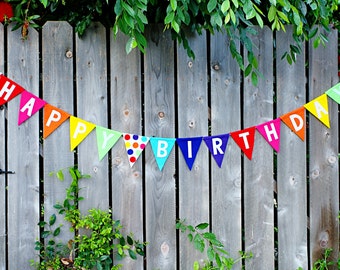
(281,207)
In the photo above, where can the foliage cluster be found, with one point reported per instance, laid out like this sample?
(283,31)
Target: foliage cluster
(238,18)
(96,236)
(218,257)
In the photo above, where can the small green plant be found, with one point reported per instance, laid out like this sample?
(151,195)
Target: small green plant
(218,257)
(97,237)
(324,263)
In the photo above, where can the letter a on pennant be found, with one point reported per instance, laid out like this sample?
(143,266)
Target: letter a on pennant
(189,148)
(29,105)
(8,89)
(271,132)
(217,146)
(245,139)
(319,108)
(161,148)
(79,129)
(295,120)
(106,139)
(53,118)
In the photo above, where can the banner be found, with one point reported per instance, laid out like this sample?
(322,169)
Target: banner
(161,147)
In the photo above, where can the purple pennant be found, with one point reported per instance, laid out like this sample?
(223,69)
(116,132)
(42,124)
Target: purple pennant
(189,148)
(217,146)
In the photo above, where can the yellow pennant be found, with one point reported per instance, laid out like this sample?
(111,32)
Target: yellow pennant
(79,129)
(319,108)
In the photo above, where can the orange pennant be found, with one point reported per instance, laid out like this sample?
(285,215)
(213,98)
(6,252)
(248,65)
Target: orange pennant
(53,118)
(295,120)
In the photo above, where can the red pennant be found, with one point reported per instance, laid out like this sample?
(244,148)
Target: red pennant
(245,140)
(8,89)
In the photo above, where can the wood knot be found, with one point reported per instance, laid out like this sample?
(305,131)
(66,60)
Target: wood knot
(190,64)
(165,248)
(191,124)
(69,54)
(126,112)
(216,67)
(161,115)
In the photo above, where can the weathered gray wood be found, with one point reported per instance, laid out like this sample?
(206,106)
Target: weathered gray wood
(3,212)
(193,186)
(91,71)
(160,193)
(226,117)
(291,161)
(126,115)
(57,66)
(23,153)
(323,168)
(258,173)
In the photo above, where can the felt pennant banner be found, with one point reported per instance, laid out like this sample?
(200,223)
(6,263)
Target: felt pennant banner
(135,144)
(217,146)
(295,120)
(271,132)
(53,118)
(106,139)
(161,148)
(245,139)
(319,108)
(8,89)
(189,148)
(29,105)
(334,93)
(79,129)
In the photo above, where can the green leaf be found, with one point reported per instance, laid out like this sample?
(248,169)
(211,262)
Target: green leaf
(128,9)
(175,26)
(53,218)
(56,231)
(169,17)
(211,253)
(211,5)
(225,6)
(173,4)
(254,78)
(130,44)
(45,234)
(271,13)
(44,2)
(132,254)
(202,226)
(196,265)
(129,240)
(60,175)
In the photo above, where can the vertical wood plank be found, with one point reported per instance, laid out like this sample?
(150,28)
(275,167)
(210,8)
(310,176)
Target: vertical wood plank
(226,117)
(291,161)
(126,113)
(258,173)
(3,211)
(91,70)
(160,193)
(23,149)
(324,166)
(193,122)
(57,67)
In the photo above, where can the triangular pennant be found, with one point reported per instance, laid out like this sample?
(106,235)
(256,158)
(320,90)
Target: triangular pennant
(161,148)
(271,132)
(334,93)
(189,148)
(295,120)
(8,89)
(135,144)
(319,108)
(29,105)
(245,139)
(106,139)
(53,118)
(79,129)
(217,146)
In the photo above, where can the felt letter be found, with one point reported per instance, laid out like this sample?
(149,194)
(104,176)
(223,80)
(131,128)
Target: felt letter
(55,116)
(189,149)
(271,132)
(80,129)
(7,90)
(217,143)
(162,149)
(245,139)
(28,106)
(106,138)
(293,119)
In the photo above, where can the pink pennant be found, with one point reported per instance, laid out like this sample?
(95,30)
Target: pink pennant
(29,105)
(271,132)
